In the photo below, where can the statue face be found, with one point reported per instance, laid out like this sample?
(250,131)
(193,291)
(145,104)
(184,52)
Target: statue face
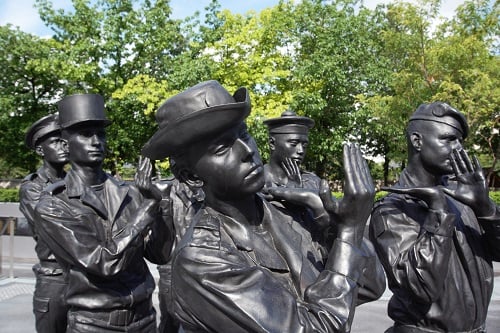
(229,165)
(54,149)
(437,143)
(290,145)
(87,145)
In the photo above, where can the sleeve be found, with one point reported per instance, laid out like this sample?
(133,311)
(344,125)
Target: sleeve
(74,237)
(249,298)
(491,227)
(29,195)
(372,283)
(415,255)
(160,239)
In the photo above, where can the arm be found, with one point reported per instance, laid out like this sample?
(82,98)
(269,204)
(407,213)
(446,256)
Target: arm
(414,253)
(29,194)
(79,239)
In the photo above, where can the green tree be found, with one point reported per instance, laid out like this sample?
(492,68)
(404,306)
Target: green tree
(28,85)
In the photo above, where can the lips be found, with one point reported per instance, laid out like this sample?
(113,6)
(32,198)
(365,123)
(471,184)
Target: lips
(256,170)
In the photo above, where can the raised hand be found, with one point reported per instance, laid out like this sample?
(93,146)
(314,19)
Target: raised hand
(471,189)
(352,211)
(292,171)
(143,181)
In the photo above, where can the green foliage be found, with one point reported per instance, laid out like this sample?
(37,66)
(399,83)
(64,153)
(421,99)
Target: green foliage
(9,195)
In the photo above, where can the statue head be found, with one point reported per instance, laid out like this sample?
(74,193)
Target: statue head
(203,129)
(289,136)
(44,137)
(433,131)
(83,121)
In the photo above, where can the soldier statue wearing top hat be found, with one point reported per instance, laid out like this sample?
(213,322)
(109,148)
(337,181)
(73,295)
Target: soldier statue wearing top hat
(44,137)
(101,229)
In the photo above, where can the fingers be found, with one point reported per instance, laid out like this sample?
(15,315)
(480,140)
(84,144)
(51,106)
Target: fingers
(326,197)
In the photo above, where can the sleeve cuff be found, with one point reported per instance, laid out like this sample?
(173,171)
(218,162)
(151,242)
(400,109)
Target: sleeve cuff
(347,260)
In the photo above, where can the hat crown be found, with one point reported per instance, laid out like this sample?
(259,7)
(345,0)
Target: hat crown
(185,104)
(437,111)
(40,128)
(196,114)
(289,122)
(79,108)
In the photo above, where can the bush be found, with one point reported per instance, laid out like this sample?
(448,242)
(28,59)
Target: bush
(9,195)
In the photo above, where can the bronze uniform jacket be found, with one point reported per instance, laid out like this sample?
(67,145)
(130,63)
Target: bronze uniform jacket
(103,246)
(230,277)
(438,264)
(29,194)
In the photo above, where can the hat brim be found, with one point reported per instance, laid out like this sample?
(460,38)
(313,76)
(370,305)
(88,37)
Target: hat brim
(202,124)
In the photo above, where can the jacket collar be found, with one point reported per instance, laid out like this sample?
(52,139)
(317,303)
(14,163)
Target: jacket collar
(116,193)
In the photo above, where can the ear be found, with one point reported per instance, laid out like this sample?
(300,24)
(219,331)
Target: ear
(39,151)
(271,143)
(190,179)
(416,140)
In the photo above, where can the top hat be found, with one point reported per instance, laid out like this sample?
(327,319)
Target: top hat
(195,114)
(289,123)
(40,128)
(437,112)
(81,108)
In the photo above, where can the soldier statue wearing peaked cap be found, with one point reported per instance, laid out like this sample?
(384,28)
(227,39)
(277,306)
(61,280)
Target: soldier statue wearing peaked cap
(49,307)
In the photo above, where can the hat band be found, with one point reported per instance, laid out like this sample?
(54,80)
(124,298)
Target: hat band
(289,129)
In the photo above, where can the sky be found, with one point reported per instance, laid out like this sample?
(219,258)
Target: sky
(22,13)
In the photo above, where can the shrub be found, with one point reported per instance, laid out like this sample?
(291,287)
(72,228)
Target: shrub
(9,195)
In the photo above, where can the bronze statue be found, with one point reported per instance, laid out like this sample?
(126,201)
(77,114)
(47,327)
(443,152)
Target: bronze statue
(101,229)
(49,307)
(295,190)
(439,231)
(179,205)
(241,267)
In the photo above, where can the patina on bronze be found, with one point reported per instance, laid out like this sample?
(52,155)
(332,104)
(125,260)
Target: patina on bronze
(438,231)
(289,187)
(101,229)
(241,267)
(49,307)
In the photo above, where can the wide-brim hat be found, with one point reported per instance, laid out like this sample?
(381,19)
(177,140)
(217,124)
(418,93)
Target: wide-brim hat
(82,108)
(289,122)
(41,128)
(195,114)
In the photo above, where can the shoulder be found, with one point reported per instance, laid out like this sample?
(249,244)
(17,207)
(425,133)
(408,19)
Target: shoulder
(55,188)
(204,231)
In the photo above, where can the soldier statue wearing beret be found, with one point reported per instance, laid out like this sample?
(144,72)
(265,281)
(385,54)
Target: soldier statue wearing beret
(44,137)
(241,266)
(101,229)
(439,231)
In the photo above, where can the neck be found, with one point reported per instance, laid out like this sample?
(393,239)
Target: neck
(53,170)
(90,175)
(244,210)
(423,177)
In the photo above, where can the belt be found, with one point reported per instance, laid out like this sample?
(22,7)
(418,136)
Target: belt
(48,268)
(399,328)
(118,317)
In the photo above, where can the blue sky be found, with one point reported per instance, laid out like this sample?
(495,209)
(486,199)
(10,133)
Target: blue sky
(21,13)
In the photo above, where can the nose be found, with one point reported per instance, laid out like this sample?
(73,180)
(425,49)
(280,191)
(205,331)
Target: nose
(95,140)
(300,149)
(246,150)
(456,144)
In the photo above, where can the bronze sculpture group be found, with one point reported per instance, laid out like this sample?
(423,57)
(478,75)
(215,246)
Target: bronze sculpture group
(244,246)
